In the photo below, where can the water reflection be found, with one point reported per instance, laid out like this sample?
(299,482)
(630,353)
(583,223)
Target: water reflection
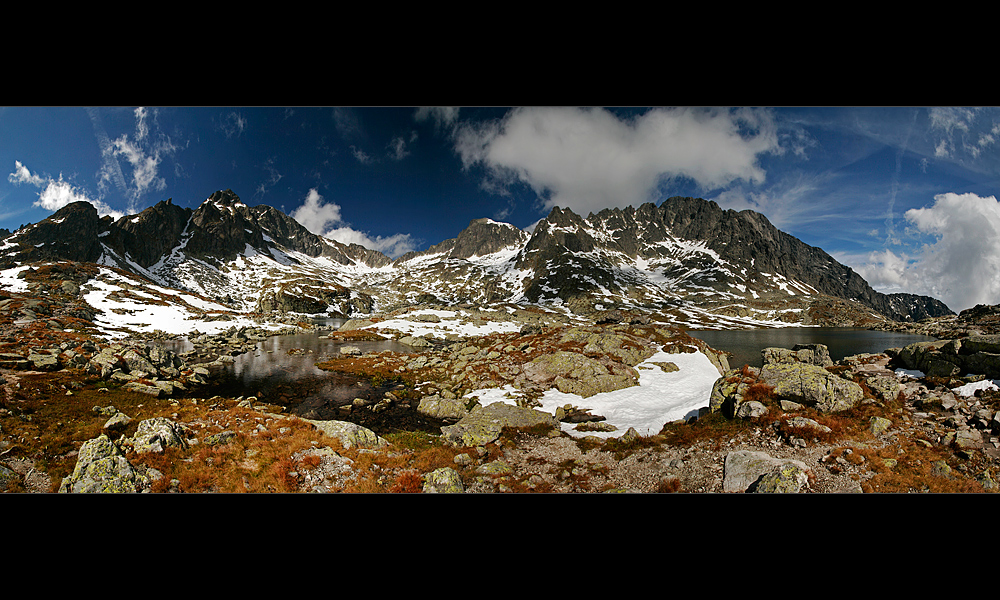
(285,358)
(746,344)
(290,357)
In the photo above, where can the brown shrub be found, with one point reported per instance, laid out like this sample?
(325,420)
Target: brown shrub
(408,482)
(759,392)
(670,485)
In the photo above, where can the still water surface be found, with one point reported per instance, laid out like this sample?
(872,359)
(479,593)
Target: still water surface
(290,357)
(746,344)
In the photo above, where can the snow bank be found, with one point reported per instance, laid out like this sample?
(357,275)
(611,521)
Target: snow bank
(10,282)
(969,389)
(658,399)
(451,322)
(169,317)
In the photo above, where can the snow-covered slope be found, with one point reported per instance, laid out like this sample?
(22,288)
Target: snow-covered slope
(686,259)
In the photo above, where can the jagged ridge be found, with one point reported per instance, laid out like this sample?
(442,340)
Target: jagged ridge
(686,250)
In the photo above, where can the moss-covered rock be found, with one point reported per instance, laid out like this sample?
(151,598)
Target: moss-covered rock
(752,471)
(484,424)
(812,385)
(101,467)
(789,478)
(155,435)
(442,408)
(350,435)
(443,481)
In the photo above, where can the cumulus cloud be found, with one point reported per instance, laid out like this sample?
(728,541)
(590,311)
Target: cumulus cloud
(324,218)
(588,158)
(392,246)
(57,193)
(960,266)
(315,214)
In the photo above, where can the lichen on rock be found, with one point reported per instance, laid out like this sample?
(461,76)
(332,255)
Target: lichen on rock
(101,467)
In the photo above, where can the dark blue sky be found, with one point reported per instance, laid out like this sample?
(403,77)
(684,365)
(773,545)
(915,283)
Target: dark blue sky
(904,195)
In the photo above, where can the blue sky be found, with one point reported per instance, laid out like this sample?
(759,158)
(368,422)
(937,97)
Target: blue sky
(904,195)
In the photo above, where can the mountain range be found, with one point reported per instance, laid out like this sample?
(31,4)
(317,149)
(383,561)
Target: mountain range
(683,254)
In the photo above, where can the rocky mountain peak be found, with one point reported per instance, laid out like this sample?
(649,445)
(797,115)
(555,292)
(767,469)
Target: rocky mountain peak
(70,233)
(684,250)
(224,198)
(486,236)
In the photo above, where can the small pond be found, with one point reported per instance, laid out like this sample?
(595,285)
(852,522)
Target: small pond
(746,344)
(282,370)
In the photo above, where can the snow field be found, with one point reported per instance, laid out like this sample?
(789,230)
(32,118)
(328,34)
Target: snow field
(658,399)
(136,316)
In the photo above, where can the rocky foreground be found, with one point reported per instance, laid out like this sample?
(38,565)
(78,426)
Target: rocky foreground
(82,414)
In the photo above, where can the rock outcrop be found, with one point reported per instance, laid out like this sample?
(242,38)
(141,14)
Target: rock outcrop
(484,424)
(101,467)
(976,354)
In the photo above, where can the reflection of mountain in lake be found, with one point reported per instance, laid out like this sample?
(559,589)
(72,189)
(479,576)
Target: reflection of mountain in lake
(291,357)
(746,344)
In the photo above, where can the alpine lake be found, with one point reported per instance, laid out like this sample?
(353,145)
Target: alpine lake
(282,369)
(745,345)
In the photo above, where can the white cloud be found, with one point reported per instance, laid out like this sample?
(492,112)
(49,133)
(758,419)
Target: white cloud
(392,246)
(144,152)
(314,214)
(57,193)
(960,267)
(588,159)
(322,218)
(21,174)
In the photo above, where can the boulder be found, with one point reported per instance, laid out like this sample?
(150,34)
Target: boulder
(751,471)
(879,425)
(155,435)
(416,342)
(733,390)
(117,423)
(442,408)
(811,385)
(101,467)
(105,363)
(484,423)
(810,354)
(981,343)
(630,350)
(143,388)
(350,435)
(751,410)
(983,363)
(353,324)
(788,478)
(885,387)
(137,363)
(574,373)
(44,362)
(443,481)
